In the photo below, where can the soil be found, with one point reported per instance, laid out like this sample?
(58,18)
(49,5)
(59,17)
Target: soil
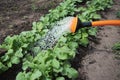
(97,62)
(100,63)
(17,16)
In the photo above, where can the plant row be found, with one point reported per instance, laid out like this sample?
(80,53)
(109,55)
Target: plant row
(51,64)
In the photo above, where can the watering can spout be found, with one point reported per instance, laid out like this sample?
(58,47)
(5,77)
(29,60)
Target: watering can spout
(77,24)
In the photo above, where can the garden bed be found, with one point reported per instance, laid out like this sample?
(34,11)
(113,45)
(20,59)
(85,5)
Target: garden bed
(95,62)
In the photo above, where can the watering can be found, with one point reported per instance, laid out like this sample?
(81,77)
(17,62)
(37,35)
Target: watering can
(76,23)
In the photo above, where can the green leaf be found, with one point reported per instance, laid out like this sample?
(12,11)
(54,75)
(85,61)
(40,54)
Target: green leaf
(55,63)
(47,78)
(84,41)
(73,45)
(19,53)
(71,73)
(9,64)
(28,57)
(118,14)
(39,26)
(60,78)
(116,46)
(5,58)
(63,39)
(25,45)
(63,52)
(34,24)
(97,16)
(15,60)
(21,76)
(63,56)
(77,36)
(3,67)
(58,70)
(10,51)
(92,31)
(36,74)
(32,65)
(25,65)
(84,34)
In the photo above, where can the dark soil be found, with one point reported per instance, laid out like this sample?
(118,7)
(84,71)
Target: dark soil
(96,62)
(17,16)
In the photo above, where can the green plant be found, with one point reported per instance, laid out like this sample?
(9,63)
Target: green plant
(116,46)
(118,14)
(116,49)
(52,63)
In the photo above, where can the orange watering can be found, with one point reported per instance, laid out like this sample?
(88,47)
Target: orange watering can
(77,24)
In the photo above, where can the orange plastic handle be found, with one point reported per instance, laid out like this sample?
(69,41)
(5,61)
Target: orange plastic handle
(106,22)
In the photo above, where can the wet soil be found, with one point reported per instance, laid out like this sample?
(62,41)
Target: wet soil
(96,62)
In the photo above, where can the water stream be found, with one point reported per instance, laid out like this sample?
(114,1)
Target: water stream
(52,36)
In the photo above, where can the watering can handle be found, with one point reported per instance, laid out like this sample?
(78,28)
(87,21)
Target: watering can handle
(106,22)
(77,24)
